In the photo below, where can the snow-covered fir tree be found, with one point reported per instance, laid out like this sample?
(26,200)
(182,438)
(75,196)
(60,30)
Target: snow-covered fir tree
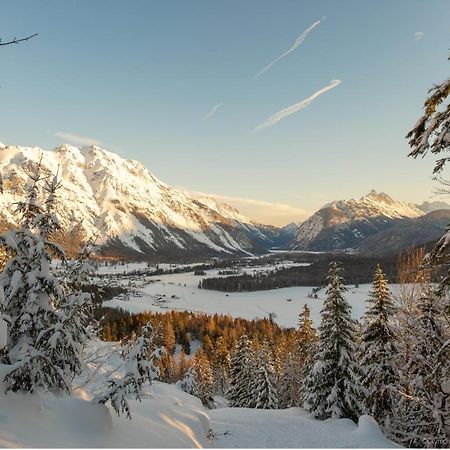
(264,391)
(241,374)
(307,348)
(204,378)
(333,388)
(189,382)
(423,413)
(198,380)
(45,316)
(140,367)
(221,366)
(290,382)
(378,351)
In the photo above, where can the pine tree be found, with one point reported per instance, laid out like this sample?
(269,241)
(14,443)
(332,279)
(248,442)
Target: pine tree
(264,392)
(423,414)
(306,350)
(291,381)
(204,378)
(221,366)
(141,366)
(198,380)
(332,385)
(378,351)
(189,382)
(241,374)
(45,316)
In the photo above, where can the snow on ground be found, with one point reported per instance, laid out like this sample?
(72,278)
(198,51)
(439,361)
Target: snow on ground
(291,428)
(181,292)
(169,418)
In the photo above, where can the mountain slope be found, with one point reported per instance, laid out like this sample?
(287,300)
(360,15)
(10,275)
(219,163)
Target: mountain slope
(406,233)
(343,224)
(139,216)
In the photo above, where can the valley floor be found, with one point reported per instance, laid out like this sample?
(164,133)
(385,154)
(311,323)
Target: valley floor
(180,292)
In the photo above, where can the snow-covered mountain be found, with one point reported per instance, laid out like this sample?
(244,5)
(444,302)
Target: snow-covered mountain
(139,215)
(344,223)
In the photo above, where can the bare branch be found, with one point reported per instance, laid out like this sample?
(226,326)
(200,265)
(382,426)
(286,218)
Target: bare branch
(18,41)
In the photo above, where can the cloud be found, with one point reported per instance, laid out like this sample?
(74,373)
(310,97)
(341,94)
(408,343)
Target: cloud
(76,138)
(299,41)
(213,111)
(418,35)
(278,214)
(274,118)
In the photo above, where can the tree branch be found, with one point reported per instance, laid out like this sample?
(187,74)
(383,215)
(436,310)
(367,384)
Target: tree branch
(18,41)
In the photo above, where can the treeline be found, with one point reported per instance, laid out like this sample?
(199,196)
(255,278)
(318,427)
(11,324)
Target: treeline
(357,270)
(203,339)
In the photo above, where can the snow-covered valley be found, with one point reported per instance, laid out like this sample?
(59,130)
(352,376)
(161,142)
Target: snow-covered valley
(180,291)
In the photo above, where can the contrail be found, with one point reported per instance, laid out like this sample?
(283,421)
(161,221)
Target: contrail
(299,41)
(274,118)
(212,111)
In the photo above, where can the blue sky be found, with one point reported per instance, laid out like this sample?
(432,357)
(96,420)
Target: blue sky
(139,77)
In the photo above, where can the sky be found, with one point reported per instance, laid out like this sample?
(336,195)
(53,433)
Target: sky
(276,107)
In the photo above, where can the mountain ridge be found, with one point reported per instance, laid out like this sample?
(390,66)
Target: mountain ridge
(140,215)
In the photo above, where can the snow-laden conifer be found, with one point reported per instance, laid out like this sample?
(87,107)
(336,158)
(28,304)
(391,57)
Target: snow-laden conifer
(46,333)
(423,413)
(264,390)
(378,351)
(332,387)
(241,374)
(140,367)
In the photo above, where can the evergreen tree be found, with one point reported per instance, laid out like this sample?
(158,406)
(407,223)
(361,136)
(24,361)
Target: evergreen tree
(377,352)
(423,414)
(306,350)
(141,366)
(189,382)
(45,316)
(198,380)
(291,381)
(332,385)
(264,393)
(221,366)
(241,374)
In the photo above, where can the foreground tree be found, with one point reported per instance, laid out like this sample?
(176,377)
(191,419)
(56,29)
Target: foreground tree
(45,316)
(332,387)
(424,411)
(423,414)
(378,351)
(140,366)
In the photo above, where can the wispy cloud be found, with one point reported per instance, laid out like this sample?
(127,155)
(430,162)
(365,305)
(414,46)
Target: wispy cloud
(274,118)
(260,210)
(76,138)
(212,111)
(299,41)
(418,35)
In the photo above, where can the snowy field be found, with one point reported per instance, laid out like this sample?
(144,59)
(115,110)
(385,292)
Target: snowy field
(180,292)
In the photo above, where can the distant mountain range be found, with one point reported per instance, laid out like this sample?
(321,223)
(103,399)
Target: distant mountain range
(376,224)
(140,217)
